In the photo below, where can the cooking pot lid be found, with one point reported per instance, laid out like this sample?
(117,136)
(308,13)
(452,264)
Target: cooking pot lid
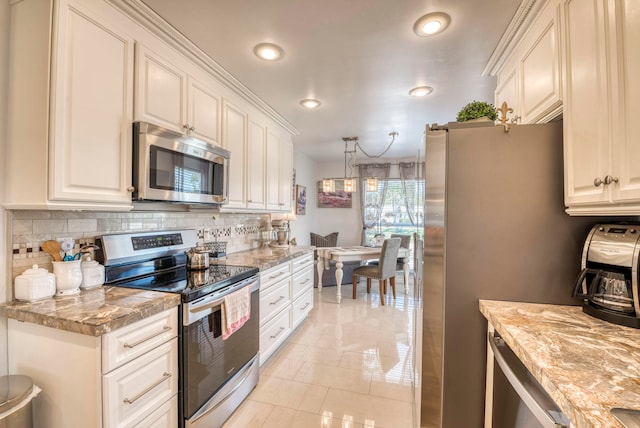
(14,389)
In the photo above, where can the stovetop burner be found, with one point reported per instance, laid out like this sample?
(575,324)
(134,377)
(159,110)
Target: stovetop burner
(190,284)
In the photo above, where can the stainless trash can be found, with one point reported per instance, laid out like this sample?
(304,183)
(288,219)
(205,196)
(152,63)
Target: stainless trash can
(16,393)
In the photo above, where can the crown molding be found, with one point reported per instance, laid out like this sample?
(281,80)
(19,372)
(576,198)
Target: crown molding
(523,18)
(146,17)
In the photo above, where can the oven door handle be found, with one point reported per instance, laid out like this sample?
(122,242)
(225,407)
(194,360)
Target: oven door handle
(201,308)
(522,389)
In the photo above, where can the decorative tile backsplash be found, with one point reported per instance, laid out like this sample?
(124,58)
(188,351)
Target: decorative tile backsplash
(29,229)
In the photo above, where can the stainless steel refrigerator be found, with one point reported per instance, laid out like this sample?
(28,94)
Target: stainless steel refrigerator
(495,228)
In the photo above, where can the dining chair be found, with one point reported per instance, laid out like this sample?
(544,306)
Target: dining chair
(383,271)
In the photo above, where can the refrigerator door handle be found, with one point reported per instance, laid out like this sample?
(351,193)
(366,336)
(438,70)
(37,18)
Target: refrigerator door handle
(523,390)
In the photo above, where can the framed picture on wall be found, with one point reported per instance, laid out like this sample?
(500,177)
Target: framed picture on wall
(301,200)
(337,199)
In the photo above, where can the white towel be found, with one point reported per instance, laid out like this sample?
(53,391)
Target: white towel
(236,310)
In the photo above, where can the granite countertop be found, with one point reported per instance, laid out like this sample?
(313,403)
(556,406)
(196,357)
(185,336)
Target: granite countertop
(104,309)
(92,312)
(587,366)
(265,258)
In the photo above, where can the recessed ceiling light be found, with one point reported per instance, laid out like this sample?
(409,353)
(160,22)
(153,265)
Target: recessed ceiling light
(420,91)
(310,103)
(431,23)
(268,51)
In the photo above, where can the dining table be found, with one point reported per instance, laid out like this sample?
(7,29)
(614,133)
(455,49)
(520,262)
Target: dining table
(355,253)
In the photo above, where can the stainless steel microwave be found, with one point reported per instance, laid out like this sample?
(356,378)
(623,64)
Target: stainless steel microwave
(172,167)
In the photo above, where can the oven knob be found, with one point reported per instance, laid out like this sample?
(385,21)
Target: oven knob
(601,229)
(632,231)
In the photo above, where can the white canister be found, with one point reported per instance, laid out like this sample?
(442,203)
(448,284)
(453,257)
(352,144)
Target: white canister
(92,274)
(68,277)
(35,284)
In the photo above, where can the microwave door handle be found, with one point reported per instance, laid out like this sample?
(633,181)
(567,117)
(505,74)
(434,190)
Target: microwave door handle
(521,389)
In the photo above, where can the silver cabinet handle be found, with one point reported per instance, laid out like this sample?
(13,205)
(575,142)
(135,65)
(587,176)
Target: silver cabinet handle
(274,302)
(609,179)
(277,275)
(277,334)
(165,376)
(134,344)
(597,182)
(305,306)
(305,281)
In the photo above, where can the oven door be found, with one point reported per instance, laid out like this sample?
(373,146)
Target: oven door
(208,362)
(171,167)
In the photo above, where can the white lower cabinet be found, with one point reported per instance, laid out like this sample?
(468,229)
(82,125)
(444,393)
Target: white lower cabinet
(125,378)
(286,298)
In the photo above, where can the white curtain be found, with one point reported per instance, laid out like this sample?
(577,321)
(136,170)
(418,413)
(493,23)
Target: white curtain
(371,203)
(412,178)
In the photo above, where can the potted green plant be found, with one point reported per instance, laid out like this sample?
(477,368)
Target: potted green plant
(477,110)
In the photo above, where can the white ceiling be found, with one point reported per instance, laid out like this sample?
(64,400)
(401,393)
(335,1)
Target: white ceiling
(360,58)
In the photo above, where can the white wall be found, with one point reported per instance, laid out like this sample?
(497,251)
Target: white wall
(306,173)
(4,260)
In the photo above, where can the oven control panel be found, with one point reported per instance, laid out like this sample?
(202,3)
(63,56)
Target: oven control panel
(156,241)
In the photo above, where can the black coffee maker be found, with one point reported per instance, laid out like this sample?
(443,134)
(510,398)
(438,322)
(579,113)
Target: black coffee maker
(608,282)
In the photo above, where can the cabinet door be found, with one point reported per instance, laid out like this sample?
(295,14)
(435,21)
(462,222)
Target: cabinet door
(286,174)
(161,91)
(273,170)
(234,139)
(586,126)
(540,93)
(204,112)
(91,99)
(507,89)
(626,150)
(256,165)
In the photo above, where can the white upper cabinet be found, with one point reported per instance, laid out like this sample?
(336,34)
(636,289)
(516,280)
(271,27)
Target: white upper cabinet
(70,112)
(170,97)
(234,139)
(279,172)
(527,64)
(256,165)
(601,138)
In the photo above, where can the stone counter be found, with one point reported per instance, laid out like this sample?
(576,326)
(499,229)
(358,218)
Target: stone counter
(92,312)
(99,311)
(265,258)
(587,366)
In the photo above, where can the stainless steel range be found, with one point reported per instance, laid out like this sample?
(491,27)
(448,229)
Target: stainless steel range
(216,374)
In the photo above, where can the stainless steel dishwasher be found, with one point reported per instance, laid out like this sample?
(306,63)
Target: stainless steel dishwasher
(519,401)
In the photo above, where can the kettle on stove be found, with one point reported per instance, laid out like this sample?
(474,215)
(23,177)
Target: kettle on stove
(198,258)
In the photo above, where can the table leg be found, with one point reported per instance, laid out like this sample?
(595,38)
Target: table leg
(339,274)
(405,271)
(320,269)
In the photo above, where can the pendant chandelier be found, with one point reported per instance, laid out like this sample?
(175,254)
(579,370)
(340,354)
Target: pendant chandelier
(350,183)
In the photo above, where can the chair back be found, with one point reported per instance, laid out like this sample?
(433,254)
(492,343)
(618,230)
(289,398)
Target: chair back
(388,257)
(405,240)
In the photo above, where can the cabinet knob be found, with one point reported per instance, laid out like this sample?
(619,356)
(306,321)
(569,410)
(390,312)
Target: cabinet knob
(597,182)
(609,179)
(131,189)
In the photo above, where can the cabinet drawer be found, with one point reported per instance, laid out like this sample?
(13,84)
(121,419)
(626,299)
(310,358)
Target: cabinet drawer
(164,416)
(301,282)
(274,333)
(127,343)
(271,276)
(302,262)
(301,307)
(136,389)
(274,299)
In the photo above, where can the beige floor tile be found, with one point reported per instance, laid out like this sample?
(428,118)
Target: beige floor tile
(250,414)
(286,393)
(334,377)
(348,365)
(368,410)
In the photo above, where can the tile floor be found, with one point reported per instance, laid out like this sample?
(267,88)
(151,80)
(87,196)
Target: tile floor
(348,365)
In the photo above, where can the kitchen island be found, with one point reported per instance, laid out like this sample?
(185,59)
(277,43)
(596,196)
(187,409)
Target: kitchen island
(586,365)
